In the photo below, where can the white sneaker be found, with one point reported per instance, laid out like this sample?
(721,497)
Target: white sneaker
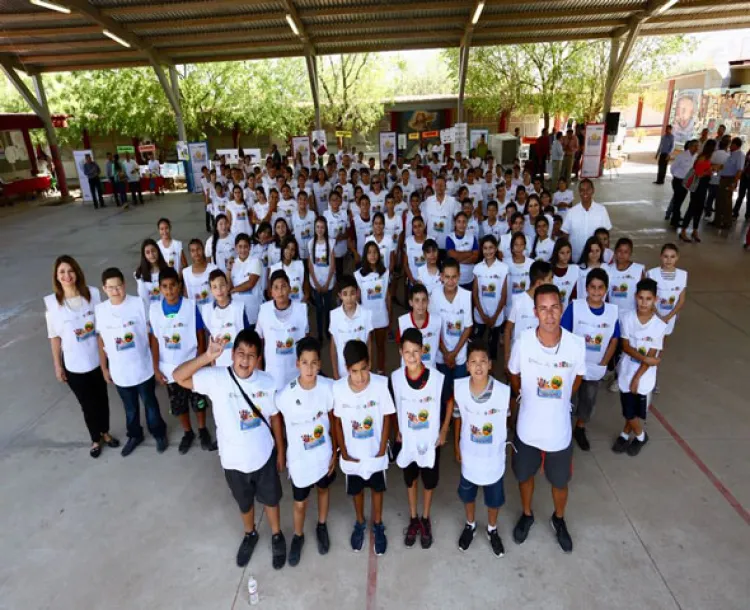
(613,385)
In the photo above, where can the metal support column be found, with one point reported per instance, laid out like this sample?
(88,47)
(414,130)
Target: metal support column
(463,68)
(54,149)
(175,83)
(614,48)
(312,72)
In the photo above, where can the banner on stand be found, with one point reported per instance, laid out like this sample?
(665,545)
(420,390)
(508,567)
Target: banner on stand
(79,156)
(593,146)
(182,151)
(320,142)
(388,141)
(198,158)
(461,138)
(301,144)
(402,141)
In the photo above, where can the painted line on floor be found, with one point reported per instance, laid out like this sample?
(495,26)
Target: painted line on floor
(720,487)
(372,575)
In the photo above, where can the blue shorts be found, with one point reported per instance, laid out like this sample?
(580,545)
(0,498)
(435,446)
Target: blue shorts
(494,494)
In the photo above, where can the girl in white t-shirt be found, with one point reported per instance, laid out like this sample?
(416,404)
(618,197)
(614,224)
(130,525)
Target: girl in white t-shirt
(322,272)
(671,286)
(490,293)
(413,253)
(564,275)
(195,277)
(516,226)
(518,269)
(602,234)
(261,211)
(147,273)
(374,286)
(280,232)
(542,246)
(218,200)
(394,227)
(71,328)
(220,246)
(294,268)
(238,214)
(380,238)
(245,278)
(592,257)
(170,248)
(562,199)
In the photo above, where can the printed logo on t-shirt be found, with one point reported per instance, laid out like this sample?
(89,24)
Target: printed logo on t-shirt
(641,350)
(419,260)
(620,292)
(594,342)
(173,342)
(563,294)
(87,332)
(375,293)
(419,421)
(518,286)
(201,298)
(284,348)
(667,304)
(439,226)
(426,349)
(154,294)
(363,429)
(241,215)
(294,293)
(316,439)
(549,389)
(248,421)
(489,291)
(482,435)
(226,336)
(127,341)
(453,329)
(321,261)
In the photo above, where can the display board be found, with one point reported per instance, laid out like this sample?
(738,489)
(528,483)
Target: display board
(79,156)
(591,161)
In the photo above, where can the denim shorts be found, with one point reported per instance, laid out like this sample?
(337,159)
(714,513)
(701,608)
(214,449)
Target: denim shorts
(494,494)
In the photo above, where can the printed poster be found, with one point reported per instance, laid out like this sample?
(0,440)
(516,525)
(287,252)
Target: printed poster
(79,156)
(684,114)
(388,143)
(301,144)
(591,162)
(182,151)
(231,155)
(447,136)
(320,142)
(461,138)
(198,158)
(476,135)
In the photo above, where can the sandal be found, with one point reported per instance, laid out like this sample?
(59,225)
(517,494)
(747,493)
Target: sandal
(110,440)
(95,451)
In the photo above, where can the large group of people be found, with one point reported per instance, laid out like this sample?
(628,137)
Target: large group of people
(477,255)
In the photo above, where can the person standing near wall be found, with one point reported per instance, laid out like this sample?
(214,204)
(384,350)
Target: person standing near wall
(729,176)
(556,156)
(570,146)
(666,146)
(92,172)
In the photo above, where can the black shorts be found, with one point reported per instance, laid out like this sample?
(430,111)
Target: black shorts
(430,476)
(264,485)
(634,405)
(181,400)
(355,484)
(558,465)
(300,493)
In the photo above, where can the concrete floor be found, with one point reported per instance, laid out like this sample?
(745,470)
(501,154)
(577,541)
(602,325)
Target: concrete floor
(658,531)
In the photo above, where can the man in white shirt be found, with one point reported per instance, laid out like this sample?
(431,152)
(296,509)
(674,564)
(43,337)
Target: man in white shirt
(546,367)
(155,170)
(682,164)
(133,173)
(249,433)
(556,156)
(585,218)
(439,211)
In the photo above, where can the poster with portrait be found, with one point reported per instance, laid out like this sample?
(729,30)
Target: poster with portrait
(683,116)
(79,156)
(301,144)
(198,158)
(388,143)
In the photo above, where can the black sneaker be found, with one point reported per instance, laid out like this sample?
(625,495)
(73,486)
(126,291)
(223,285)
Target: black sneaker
(426,537)
(130,446)
(635,445)
(187,440)
(496,543)
(464,542)
(621,445)
(321,533)
(580,435)
(561,531)
(295,549)
(161,444)
(358,536)
(207,443)
(378,534)
(521,531)
(410,538)
(278,551)
(247,546)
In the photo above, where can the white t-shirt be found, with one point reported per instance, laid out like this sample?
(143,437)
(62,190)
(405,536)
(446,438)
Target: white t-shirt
(518,280)
(414,255)
(499,229)
(303,232)
(544,249)
(668,292)
(580,224)
(175,334)
(74,322)
(148,290)
(547,378)
(566,284)
(642,338)
(197,286)
(467,243)
(172,253)
(322,258)
(240,218)
(344,329)
(224,251)
(374,293)
(362,230)
(242,271)
(430,335)
(225,324)
(439,217)
(559,197)
(431,281)
(490,281)
(522,315)
(132,170)
(281,331)
(456,316)
(622,286)
(308,430)
(218,204)
(245,442)
(296,274)
(596,331)
(393,228)
(338,224)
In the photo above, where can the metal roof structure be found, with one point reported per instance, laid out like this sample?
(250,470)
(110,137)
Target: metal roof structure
(37,39)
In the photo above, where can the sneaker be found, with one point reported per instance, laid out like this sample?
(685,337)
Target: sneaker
(496,543)
(321,533)
(621,445)
(608,376)
(561,531)
(580,435)
(411,532)
(278,551)
(426,537)
(613,386)
(247,546)
(161,444)
(464,542)
(358,536)
(521,531)
(187,440)
(381,542)
(635,445)
(130,446)
(295,549)
(207,443)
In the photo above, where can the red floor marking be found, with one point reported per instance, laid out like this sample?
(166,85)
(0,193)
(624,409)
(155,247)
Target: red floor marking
(372,575)
(720,487)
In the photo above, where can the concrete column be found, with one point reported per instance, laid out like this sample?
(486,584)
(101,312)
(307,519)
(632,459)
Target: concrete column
(175,84)
(463,68)
(41,97)
(609,88)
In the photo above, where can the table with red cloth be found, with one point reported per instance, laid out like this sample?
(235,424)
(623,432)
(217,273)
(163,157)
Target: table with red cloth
(38,184)
(145,184)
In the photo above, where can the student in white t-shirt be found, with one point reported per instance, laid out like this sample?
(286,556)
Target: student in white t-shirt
(643,334)
(565,274)
(71,329)
(362,408)
(220,246)
(429,325)
(348,322)
(170,248)
(672,284)
(592,257)
(306,406)
(546,367)
(429,273)
(562,198)
(218,201)
(238,213)
(249,433)
(177,334)
(282,322)
(384,243)
(541,245)
(126,359)
(421,427)
(602,234)
(322,273)
(303,225)
(519,265)
(490,293)
(223,316)
(463,247)
(147,273)
(294,268)
(245,273)
(493,225)
(482,404)
(412,251)
(373,279)
(338,230)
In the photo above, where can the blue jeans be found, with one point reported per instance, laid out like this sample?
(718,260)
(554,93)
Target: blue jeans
(323,302)
(147,393)
(451,374)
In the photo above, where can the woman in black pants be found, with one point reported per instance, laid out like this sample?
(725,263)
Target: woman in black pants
(702,173)
(71,329)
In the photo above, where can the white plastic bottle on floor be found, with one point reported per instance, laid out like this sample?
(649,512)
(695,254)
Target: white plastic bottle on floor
(252,592)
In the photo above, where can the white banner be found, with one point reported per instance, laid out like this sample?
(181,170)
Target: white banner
(198,158)
(182,151)
(79,156)
(388,143)
(592,150)
(447,136)
(461,138)
(320,142)
(402,141)
(231,155)
(301,144)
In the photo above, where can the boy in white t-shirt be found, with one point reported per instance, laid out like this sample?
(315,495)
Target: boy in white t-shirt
(363,406)
(349,321)
(643,334)
(429,273)
(249,433)
(429,325)
(306,404)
